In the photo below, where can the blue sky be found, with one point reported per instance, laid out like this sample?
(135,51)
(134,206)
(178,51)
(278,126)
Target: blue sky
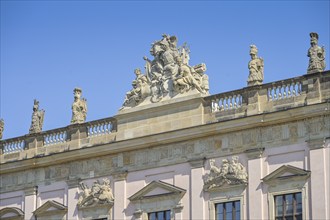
(50,47)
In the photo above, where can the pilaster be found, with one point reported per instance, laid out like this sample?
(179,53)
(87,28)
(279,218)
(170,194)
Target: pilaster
(72,185)
(120,195)
(197,203)
(30,201)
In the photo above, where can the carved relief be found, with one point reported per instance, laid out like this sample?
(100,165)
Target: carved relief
(167,75)
(316,55)
(37,118)
(79,107)
(2,127)
(230,173)
(98,194)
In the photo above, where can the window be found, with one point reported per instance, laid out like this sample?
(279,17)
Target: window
(288,206)
(161,215)
(228,210)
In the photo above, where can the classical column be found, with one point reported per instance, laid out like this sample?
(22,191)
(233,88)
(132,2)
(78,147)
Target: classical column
(119,191)
(72,199)
(30,201)
(319,167)
(256,206)
(197,203)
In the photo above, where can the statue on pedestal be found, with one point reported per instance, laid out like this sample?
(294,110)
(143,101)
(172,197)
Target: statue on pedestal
(79,107)
(316,55)
(2,127)
(256,68)
(37,118)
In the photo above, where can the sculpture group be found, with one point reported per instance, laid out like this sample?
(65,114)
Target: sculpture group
(167,74)
(98,194)
(230,173)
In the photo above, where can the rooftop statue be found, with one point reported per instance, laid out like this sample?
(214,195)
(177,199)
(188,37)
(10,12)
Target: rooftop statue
(37,118)
(230,173)
(2,127)
(256,68)
(79,107)
(98,194)
(316,55)
(168,74)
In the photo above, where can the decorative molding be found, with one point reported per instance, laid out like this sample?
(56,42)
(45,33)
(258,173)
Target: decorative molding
(50,207)
(120,176)
(166,190)
(197,162)
(254,153)
(11,213)
(286,173)
(31,191)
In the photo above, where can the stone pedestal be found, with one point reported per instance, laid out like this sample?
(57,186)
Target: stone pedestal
(173,114)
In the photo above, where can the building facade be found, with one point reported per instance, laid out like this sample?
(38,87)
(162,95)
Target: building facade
(175,152)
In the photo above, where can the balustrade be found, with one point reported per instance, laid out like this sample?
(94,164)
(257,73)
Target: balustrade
(224,102)
(284,90)
(13,146)
(100,128)
(55,137)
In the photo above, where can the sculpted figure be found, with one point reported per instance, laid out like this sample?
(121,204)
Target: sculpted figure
(256,68)
(316,55)
(79,107)
(2,127)
(141,89)
(230,173)
(184,79)
(37,118)
(98,194)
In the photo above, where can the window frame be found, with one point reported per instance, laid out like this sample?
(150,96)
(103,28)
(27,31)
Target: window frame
(304,201)
(283,204)
(225,212)
(213,202)
(164,211)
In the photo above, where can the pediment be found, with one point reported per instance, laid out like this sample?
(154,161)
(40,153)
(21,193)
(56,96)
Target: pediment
(157,189)
(286,172)
(50,207)
(10,213)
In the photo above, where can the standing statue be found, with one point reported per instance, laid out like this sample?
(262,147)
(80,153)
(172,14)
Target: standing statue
(2,127)
(256,68)
(37,118)
(79,107)
(316,55)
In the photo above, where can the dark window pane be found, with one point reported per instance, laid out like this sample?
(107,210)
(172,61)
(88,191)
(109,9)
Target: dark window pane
(219,208)
(289,210)
(278,211)
(160,216)
(289,199)
(237,215)
(237,205)
(289,218)
(152,216)
(298,217)
(168,215)
(278,200)
(220,216)
(229,207)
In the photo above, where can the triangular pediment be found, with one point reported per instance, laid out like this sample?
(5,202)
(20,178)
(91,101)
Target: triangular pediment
(287,172)
(10,213)
(157,189)
(50,207)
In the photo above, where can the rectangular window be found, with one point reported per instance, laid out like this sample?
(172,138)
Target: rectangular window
(161,215)
(228,210)
(288,206)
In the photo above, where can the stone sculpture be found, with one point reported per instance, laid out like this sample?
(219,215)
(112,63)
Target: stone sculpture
(2,127)
(316,55)
(256,68)
(168,74)
(37,118)
(79,107)
(230,173)
(98,194)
